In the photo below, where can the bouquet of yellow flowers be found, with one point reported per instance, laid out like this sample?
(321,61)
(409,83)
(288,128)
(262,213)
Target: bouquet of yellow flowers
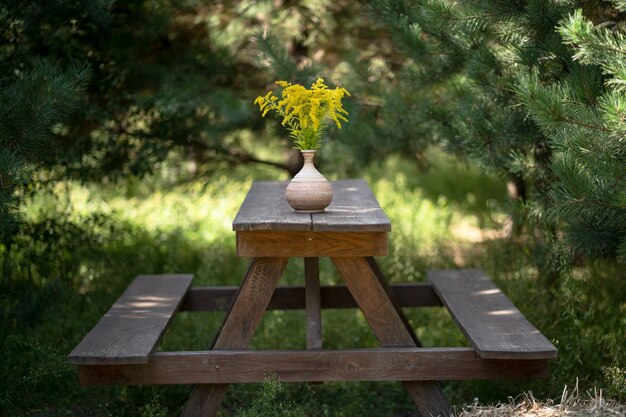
(305,111)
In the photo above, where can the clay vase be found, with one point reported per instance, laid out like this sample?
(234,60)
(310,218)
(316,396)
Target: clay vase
(309,191)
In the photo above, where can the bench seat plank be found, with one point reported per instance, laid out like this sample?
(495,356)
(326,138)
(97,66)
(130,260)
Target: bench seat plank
(130,331)
(494,326)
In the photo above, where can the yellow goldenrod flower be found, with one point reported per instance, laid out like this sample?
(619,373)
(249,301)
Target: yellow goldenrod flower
(305,111)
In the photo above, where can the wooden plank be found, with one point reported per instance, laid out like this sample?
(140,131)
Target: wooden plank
(389,328)
(130,331)
(493,325)
(392,297)
(313,303)
(428,394)
(243,366)
(208,299)
(311,244)
(265,208)
(373,302)
(353,209)
(251,302)
(415,295)
(293,297)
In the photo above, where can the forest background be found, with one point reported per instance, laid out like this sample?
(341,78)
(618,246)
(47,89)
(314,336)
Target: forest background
(492,133)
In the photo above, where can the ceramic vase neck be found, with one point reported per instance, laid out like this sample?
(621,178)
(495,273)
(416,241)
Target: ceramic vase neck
(308,156)
(309,172)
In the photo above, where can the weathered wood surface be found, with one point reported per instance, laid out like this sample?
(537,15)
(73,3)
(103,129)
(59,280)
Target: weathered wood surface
(392,297)
(245,314)
(265,208)
(389,328)
(353,209)
(493,325)
(293,297)
(130,331)
(428,394)
(373,302)
(311,244)
(313,303)
(243,366)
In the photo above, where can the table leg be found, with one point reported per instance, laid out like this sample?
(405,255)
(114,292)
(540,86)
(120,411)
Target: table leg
(392,297)
(313,303)
(418,392)
(245,314)
(389,328)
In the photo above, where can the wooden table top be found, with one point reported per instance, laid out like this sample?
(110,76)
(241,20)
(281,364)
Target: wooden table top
(353,209)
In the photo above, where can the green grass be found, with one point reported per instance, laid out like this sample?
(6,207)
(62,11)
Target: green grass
(83,249)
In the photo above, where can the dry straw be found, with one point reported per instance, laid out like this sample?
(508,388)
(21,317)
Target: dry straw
(572,404)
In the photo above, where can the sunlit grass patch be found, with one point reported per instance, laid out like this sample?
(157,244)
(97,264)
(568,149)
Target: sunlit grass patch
(201,211)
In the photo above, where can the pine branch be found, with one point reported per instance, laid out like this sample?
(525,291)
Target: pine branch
(597,45)
(30,107)
(247,158)
(619,5)
(281,63)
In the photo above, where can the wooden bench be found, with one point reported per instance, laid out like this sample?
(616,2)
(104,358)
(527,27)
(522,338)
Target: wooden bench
(130,331)
(121,347)
(492,324)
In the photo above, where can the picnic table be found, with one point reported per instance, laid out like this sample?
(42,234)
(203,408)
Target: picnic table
(120,349)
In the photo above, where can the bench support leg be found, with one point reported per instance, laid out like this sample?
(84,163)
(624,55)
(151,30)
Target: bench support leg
(313,303)
(238,328)
(368,289)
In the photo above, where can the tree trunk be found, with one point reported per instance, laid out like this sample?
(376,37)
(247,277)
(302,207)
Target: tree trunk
(294,162)
(516,187)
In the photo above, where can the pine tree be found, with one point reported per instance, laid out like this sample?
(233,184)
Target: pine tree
(31,106)
(158,84)
(583,116)
(498,83)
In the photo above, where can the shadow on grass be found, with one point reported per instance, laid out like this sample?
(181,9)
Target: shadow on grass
(60,277)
